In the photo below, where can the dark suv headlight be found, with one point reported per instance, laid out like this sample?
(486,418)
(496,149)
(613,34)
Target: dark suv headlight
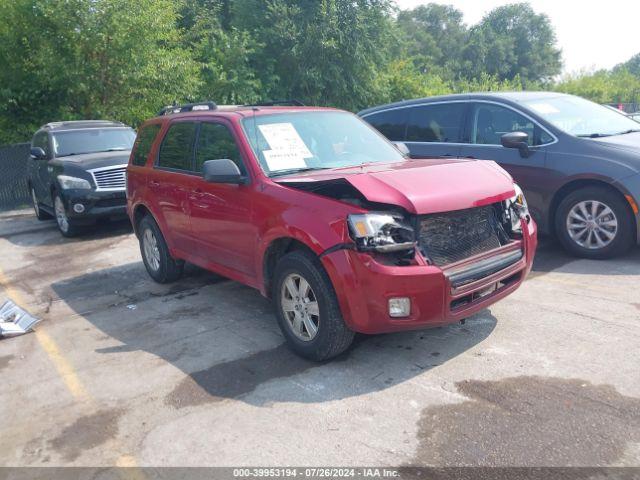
(381,232)
(517,208)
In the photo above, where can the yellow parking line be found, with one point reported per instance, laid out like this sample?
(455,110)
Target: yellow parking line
(63,366)
(68,374)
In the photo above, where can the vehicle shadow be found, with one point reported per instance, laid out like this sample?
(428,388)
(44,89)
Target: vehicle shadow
(551,257)
(224,337)
(20,231)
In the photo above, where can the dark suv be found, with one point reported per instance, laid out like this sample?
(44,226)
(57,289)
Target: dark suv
(577,162)
(77,172)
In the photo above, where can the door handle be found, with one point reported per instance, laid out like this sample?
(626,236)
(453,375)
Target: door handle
(154,183)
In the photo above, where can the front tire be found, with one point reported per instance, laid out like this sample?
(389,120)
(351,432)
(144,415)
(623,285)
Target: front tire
(160,265)
(65,225)
(307,308)
(594,223)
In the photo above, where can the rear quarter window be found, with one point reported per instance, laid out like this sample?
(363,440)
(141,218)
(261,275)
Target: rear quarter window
(143,144)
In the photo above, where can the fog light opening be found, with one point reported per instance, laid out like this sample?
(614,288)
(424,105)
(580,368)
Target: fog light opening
(399,307)
(78,208)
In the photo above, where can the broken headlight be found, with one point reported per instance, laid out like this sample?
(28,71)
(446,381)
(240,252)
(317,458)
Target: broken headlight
(517,209)
(381,232)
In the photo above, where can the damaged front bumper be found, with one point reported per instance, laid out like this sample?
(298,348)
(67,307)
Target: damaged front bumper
(438,296)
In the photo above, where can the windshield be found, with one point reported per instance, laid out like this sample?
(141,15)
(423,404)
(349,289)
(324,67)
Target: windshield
(581,117)
(293,142)
(76,142)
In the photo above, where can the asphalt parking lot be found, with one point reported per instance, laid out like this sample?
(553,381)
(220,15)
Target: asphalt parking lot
(124,371)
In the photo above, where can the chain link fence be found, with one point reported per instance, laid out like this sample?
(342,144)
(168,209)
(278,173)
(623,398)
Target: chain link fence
(13,176)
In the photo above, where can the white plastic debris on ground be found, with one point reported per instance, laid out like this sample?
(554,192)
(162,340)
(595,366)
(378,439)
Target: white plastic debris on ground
(14,320)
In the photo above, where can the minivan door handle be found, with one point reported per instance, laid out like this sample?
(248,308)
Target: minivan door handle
(154,183)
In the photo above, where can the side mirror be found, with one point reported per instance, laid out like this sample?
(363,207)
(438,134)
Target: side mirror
(402,147)
(519,140)
(222,171)
(37,153)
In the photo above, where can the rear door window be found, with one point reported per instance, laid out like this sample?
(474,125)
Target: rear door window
(176,151)
(216,142)
(390,123)
(441,123)
(143,144)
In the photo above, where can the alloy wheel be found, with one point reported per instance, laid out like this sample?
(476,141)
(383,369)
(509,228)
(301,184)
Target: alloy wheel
(300,307)
(61,215)
(151,250)
(592,224)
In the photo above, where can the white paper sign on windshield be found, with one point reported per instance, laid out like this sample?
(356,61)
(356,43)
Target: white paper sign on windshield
(280,160)
(287,149)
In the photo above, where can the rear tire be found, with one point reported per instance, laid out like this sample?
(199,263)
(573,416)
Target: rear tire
(40,214)
(160,265)
(595,223)
(307,308)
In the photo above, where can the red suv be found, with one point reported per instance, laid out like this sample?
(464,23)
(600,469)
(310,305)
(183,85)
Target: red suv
(326,217)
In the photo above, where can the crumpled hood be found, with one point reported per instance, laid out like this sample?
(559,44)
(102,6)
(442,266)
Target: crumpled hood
(89,161)
(423,186)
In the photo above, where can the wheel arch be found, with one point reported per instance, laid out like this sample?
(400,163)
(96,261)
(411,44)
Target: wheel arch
(275,250)
(578,184)
(139,212)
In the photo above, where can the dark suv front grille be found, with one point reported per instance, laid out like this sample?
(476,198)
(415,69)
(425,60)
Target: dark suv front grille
(449,237)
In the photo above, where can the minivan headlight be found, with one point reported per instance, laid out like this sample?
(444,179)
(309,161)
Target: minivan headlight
(69,183)
(381,232)
(517,208)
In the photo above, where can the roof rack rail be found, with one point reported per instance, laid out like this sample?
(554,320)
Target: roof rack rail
(189,107)
(278,103)
(71,123)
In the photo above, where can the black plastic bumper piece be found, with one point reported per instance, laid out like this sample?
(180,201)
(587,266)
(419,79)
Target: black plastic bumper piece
(483,268)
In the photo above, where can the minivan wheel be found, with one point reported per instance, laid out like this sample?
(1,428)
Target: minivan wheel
(307,308)
(40,214)
(160,265)
(595,223)
(65,225)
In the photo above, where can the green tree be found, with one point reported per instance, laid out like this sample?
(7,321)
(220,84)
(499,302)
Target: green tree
(511,41)
(603,86)
(326,52)
(69,59)
(435,36)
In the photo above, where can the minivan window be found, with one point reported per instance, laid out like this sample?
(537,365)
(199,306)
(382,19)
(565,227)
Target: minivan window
(143,144)
(442,123)
(490,122)
(176,150)
(390,123)
(92,140)
(216,142)
(581,117)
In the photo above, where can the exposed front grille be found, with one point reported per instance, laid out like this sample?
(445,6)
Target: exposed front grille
(449,237)
(110,178)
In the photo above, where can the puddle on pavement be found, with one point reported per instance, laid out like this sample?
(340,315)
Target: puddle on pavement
(85,433)
(529,421)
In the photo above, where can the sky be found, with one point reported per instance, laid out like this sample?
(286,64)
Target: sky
(592,34)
